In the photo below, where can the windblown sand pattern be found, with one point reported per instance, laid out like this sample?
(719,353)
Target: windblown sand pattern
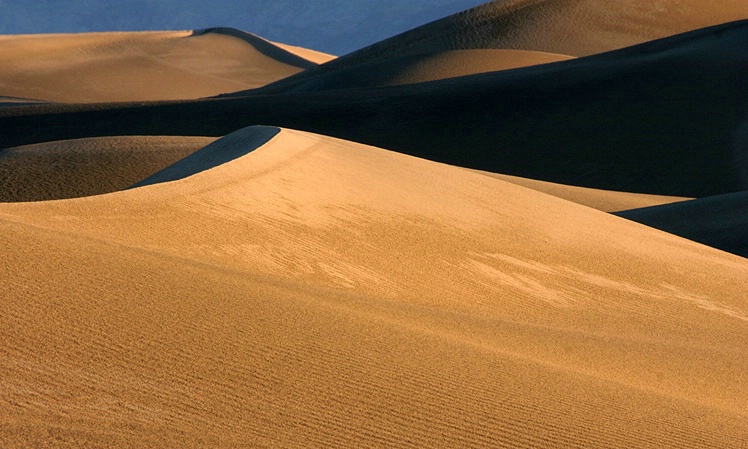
(175,275)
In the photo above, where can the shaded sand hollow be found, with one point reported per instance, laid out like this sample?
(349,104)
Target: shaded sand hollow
(311,292)
(142,66)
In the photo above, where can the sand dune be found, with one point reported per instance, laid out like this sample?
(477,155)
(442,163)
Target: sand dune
(414,69)
(620,121)
(318,292)
(142,66)
(720,221)
(583,28)
(83,167)
(603,200)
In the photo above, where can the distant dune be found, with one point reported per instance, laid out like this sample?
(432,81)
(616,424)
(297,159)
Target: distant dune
(583,28)
(146,66)
(316,291)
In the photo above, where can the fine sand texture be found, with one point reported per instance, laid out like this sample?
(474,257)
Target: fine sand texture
(91,166)
(308,291)
(625,120)
(141,66)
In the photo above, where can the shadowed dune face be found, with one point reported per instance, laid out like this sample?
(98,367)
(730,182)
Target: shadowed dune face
(318,290)
(741,152)
(102,67)
(720,221)
(83,167)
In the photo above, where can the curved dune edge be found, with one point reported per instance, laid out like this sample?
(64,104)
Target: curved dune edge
(220,152)
(90,166)
(309,54)
(281,281)
(603,200)
(414,69)
(140,66)
(720,221)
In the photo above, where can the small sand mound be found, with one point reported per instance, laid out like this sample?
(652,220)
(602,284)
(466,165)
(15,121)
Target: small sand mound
(84,167)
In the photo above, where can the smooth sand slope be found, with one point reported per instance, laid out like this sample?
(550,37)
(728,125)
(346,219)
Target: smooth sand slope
(565,27)
(83,167)
(665,118)
(141,66)
(316,292)
(719,221)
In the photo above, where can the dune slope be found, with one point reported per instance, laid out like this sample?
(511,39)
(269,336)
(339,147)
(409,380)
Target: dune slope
(319,292)
(140,66)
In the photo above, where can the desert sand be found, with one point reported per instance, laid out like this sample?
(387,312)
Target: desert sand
(142,66)
(411,246)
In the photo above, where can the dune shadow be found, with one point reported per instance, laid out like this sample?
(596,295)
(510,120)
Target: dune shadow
(261,45)
(719,221)
(226,149)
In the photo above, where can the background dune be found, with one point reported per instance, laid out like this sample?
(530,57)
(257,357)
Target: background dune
(129,66)
(660,118)
(316,290)
(578,28)
(83,167)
